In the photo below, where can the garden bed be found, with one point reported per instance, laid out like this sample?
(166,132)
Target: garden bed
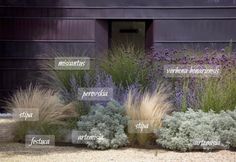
(142,117)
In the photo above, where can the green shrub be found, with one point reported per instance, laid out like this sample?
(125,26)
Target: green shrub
(52,113)
(109,122)
(198,130)
(229,48)
(218,93)
(125,66)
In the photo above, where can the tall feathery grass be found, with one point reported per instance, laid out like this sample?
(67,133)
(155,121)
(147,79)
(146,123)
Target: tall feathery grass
(52,113)
(67,82)
(150,107)
(218,94)
(125,65)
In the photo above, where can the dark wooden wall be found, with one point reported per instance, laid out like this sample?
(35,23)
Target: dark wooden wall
(26,42)
(115,3)
(33,30)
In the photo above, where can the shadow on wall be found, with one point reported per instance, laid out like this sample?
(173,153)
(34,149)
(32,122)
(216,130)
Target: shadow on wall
(22,41)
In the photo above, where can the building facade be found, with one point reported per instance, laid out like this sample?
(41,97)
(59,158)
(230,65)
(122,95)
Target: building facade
(31,28)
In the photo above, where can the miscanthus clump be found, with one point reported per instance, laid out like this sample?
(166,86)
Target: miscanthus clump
(107,122)
(198,130)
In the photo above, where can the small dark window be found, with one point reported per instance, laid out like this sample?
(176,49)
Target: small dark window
(129,30)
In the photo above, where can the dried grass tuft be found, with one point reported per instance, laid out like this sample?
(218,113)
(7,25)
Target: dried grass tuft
(151,107)
(52,112)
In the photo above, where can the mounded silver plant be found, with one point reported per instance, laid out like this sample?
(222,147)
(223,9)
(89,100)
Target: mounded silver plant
(198,130)
(107,122)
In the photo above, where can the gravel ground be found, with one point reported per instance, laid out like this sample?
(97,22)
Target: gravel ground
(6,129)
(14,152)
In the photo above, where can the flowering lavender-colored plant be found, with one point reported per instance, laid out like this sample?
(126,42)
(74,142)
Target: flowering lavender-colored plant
(186,95)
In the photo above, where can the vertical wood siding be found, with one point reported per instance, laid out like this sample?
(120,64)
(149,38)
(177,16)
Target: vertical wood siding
(102,40)
(48,29)
(26,42)
(29,29)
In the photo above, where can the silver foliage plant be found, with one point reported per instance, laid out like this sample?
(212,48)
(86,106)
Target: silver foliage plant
(108,122)
(198,130)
